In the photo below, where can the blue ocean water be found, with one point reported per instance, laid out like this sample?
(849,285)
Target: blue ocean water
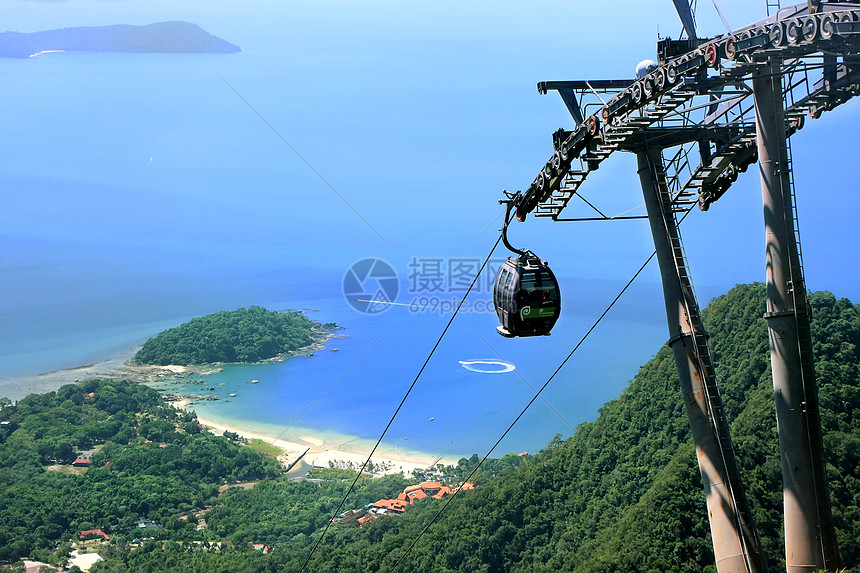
(354,385)
(140,190)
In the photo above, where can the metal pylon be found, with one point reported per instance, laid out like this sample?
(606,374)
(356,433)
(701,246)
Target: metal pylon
(810,537)
(736,545)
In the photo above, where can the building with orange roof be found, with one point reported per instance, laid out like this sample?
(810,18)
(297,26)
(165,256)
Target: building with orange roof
(411,494)
(93,533)
(395,505)
(416,495)
(430,487)
(443,491)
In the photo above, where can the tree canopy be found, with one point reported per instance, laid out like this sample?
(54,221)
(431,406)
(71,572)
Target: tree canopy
(147,461)
(244,335)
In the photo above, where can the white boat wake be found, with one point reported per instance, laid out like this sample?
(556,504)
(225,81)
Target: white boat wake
(487,366)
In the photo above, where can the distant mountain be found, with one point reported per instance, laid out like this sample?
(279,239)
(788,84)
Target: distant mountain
(171,37)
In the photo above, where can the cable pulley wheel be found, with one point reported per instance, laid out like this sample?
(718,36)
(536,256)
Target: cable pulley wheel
(556,161)
(564,151)
(604,113)
(777,34)
(810,28)
(672,73)
(660,79)
(636,92)
(794,31)
(826,28)
(648,86)
(729,48)
(711,56)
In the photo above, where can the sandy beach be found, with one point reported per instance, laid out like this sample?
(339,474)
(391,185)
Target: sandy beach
(312,447)
(320,453)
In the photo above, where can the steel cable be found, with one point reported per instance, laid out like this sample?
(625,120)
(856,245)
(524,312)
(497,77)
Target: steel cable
(399,406)
(527,406)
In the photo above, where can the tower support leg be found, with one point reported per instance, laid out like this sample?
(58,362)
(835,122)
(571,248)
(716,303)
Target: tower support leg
(736,547)
(810,539)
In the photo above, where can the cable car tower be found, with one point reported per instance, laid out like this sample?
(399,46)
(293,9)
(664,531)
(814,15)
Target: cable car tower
(705,111)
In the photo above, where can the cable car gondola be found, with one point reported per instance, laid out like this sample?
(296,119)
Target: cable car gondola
(526,294)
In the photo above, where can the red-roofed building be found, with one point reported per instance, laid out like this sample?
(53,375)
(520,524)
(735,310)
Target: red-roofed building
(82,463)
(410,495)
(93,533)
(443,491)
(396,505)
(467,486)
(430,487)
(365,519)
(416,495)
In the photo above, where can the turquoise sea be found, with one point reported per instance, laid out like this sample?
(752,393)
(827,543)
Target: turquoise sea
(140,190)
(353,386)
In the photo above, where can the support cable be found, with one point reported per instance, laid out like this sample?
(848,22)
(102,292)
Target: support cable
(599,212)
(399,406)
(527,406)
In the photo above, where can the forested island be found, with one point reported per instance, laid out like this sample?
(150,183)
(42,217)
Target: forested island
(622,494)
(171,37)
(245,335)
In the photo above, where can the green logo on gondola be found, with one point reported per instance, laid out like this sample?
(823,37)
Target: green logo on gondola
(529,313)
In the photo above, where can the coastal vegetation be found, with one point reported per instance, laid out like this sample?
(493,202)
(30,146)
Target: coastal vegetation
(622,494)
(105,454)
(244,335)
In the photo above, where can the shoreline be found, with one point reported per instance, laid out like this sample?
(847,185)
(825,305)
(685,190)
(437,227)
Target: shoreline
(316,451)
(17,387)
(120,366)
(313,446)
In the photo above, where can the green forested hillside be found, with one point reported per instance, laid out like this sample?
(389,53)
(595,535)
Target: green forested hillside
(623,494)
(148,461)
(243,335)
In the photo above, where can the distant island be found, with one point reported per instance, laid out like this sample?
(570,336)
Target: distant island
(245,335)
(166,37)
